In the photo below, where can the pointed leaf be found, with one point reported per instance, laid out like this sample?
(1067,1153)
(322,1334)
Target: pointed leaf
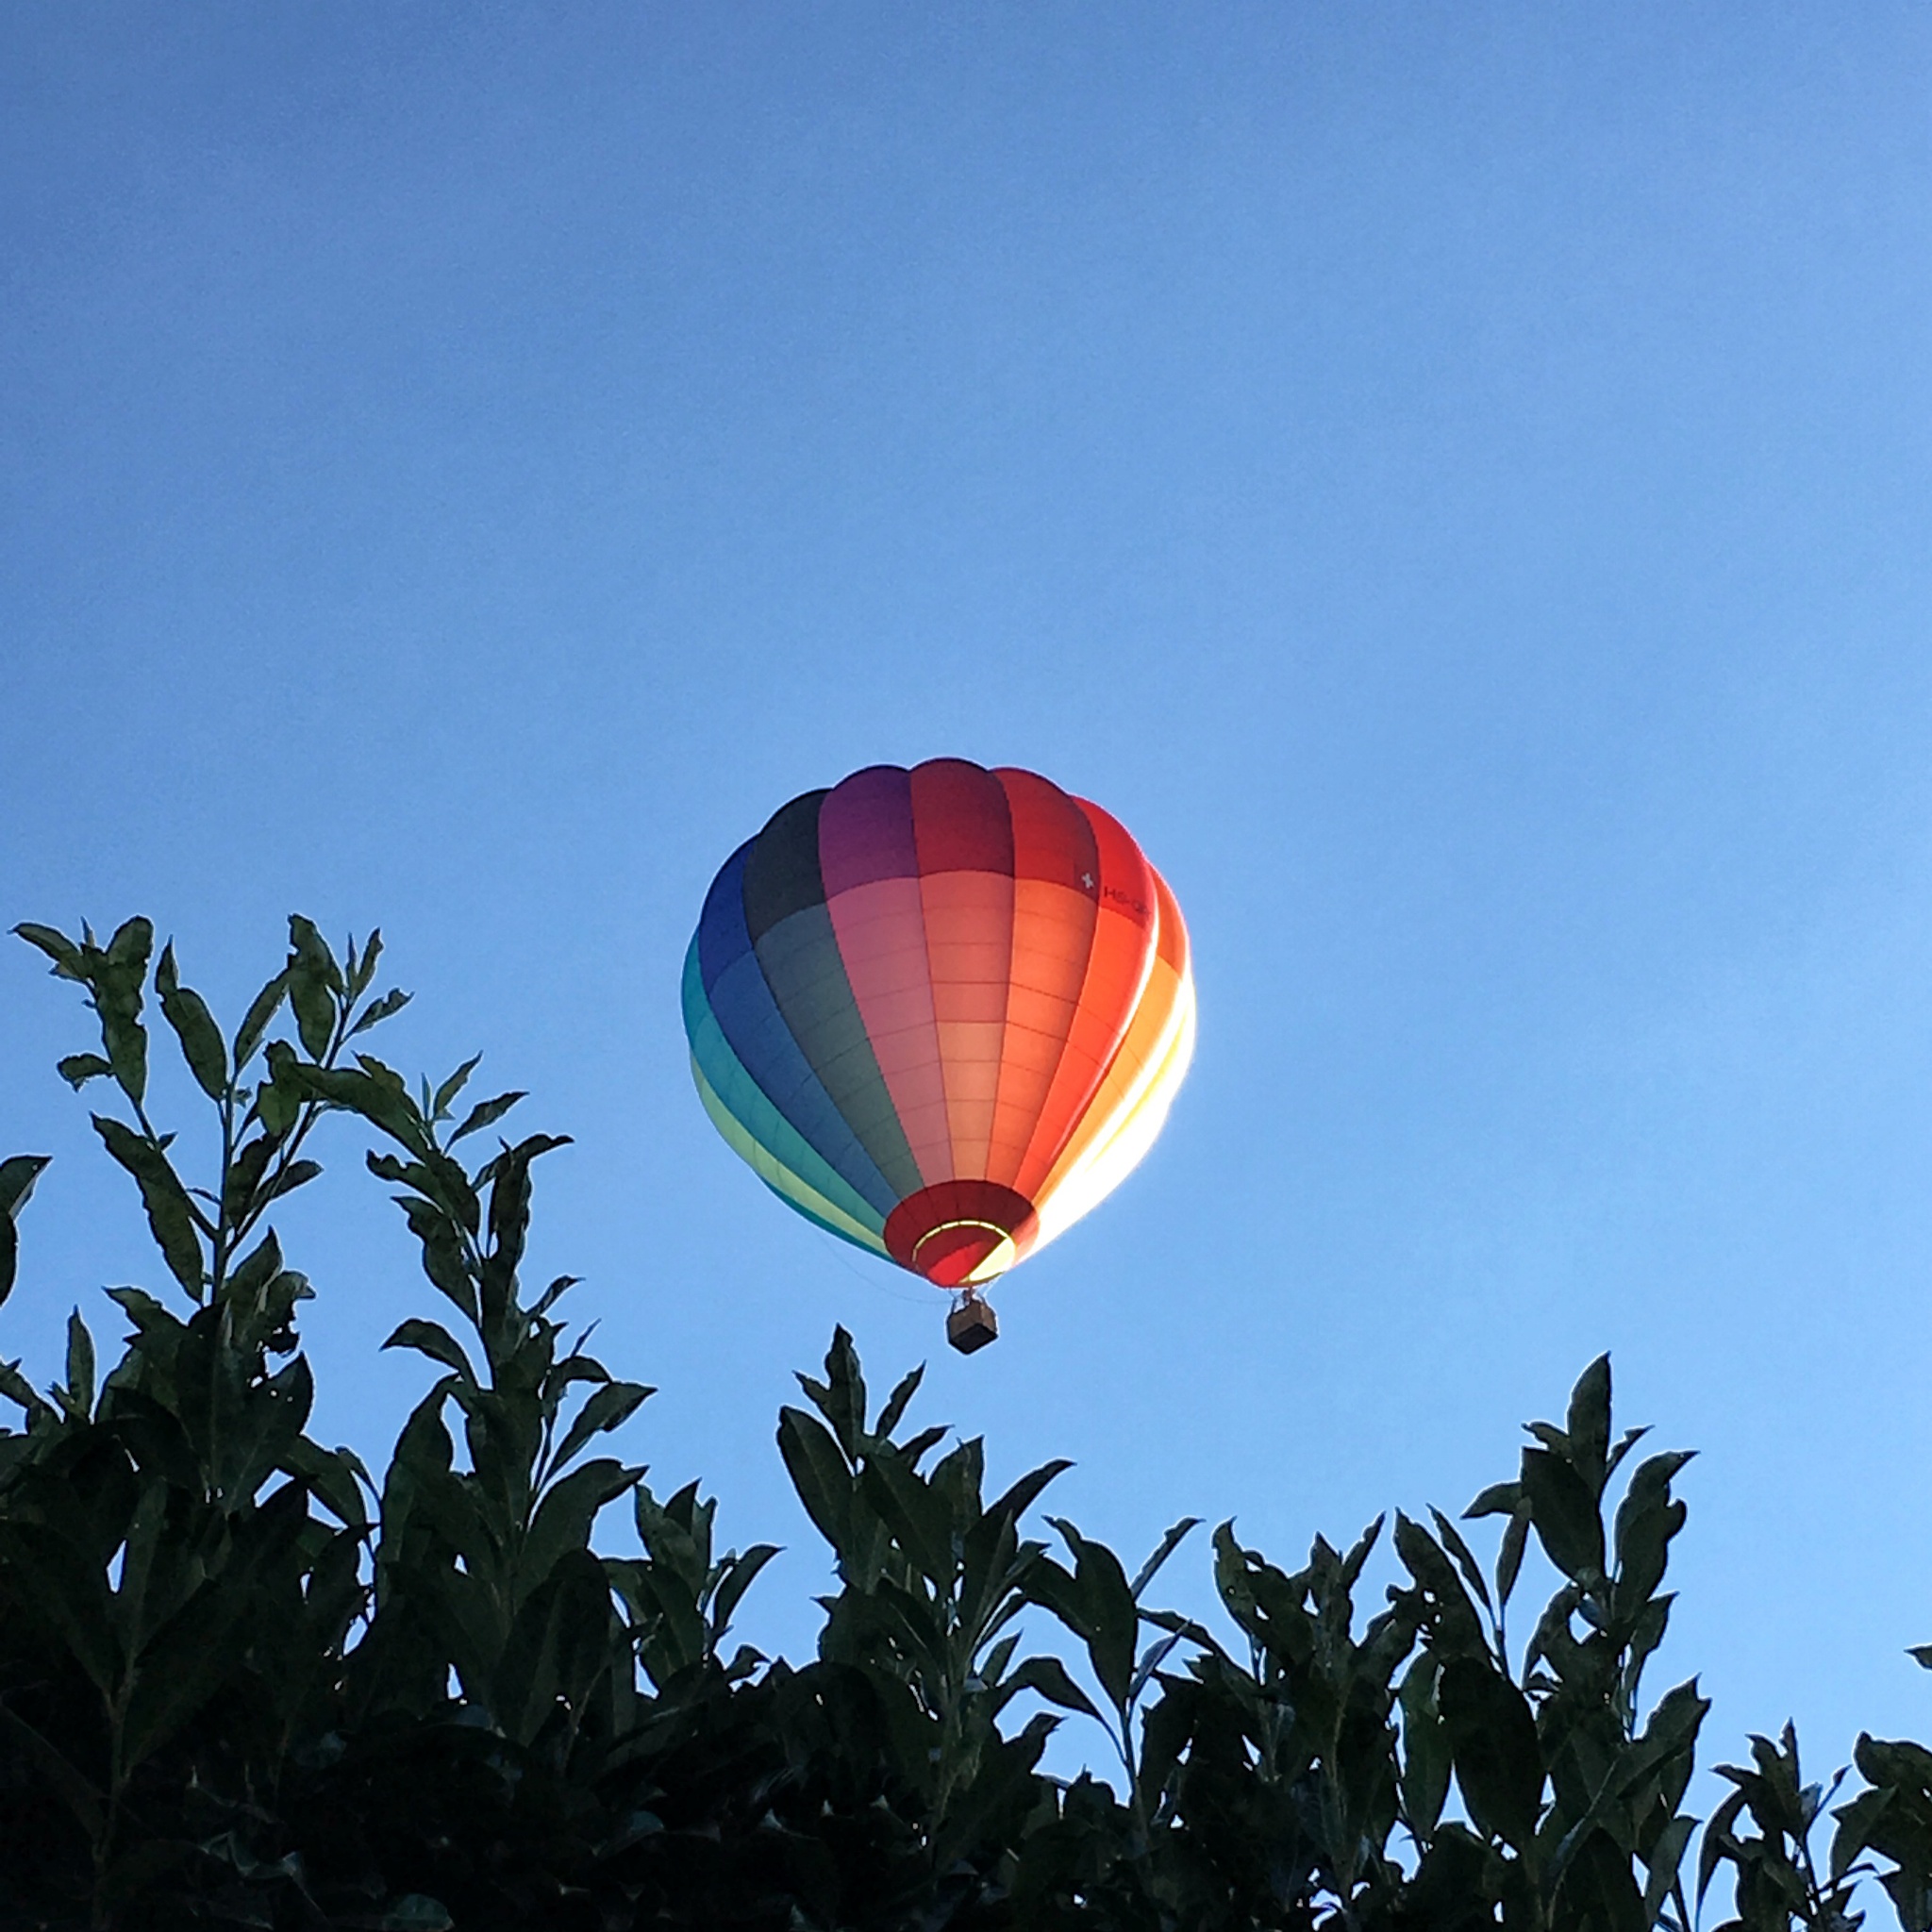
(314,981)
(738,1574)
(486,1113)
(433,1339)
(609,1409)
(1047,1677)
(896,1401)
(65,954)
(64,1778)
(81,1366)
(201,1039)
(363,971)
(171,1215)
(259,1017)
(1108,1623)
(819,1473)
(1460,1552)
(1510,1554)
(1499,1499)
(444,1097)
(298,1174)
(1564,1511)
(376,1012)
(116,981)
(1167,1546)
(1021,1497)
(1493,1741)
(1588,1424)
(17,1177)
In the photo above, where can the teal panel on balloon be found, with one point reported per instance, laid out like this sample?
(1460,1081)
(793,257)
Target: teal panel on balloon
(748,1105)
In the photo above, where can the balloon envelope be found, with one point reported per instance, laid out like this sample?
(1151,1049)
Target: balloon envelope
(941,1012)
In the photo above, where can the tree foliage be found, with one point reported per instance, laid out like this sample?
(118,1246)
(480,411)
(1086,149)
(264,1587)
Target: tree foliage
(245,1683)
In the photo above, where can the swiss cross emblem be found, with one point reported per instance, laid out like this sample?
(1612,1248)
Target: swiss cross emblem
(1086,880)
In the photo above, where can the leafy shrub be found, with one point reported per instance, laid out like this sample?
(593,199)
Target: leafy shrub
(242,1682)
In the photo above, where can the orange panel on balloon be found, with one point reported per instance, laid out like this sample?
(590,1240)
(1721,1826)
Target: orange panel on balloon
(1148,1035)
(1116,969)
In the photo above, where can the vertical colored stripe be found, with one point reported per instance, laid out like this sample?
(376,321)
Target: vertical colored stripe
(1143,1052)
(1109,1163)
(724,1075)
(965,842)
(1117,968)
(799,958)
(1056,905)
(870,862)
(740,998)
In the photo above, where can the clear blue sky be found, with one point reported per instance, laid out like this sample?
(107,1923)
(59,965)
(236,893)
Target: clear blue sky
(1456,481)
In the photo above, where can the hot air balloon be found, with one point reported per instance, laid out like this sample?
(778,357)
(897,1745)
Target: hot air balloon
(941,1012)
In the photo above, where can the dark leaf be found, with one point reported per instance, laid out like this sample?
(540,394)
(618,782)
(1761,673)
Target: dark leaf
(78,1069)
(280,1098)
(68,1783)
(1564,1510)
(570,1507)
(897,1400)
(1047,1677)
(1015,1503)
(416,1911)
(915,1511)
(819,1473)
(841,1399)
(608,1407)
(1457,1628)
(171,1214)
(1499,1499)
(244,1177)
(484,1113)
(363,971)
(433,1339)
(81,1366)
(553,1293)
(1510,1554)
(116,980)
(65,954)
(1599,1889)
(739,1572)
(201,1039)
(308,943)
(1647,1519)
(1166,1547)
(1426,1748)
(17,1389)
(1588,1424)
(378,1010)
(1108,1623)
(256,1021)
(1493,1741)
(314,982)
(445,1095)
(315,1014)
(298,1174)
(133,942)
(17,1177)
(1460,1553)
